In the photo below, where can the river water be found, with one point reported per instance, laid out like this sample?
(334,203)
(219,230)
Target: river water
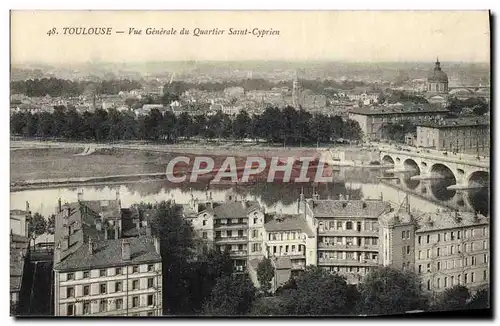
(356,184)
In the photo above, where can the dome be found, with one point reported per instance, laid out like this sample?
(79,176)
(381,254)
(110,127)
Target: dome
(437,75)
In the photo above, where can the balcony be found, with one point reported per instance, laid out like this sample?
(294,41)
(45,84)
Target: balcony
(237,239)
(231,226)
(369,233)
(291,255)
(346,247)
(347,262)
(298,267)
(238,253)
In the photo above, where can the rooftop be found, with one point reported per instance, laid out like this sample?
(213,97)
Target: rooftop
(458,122)
(109,253)
(450,220)
(348,208)
(413,109)
(288,223)
(235,209)
(18,250)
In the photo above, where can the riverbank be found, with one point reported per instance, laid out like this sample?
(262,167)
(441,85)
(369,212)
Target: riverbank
(49,162)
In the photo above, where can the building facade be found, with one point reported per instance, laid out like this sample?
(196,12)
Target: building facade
(444,248)
(462,135)
(97,272)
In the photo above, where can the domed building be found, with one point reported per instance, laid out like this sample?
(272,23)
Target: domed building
(437,80)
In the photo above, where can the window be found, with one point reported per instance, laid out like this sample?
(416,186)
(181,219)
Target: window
(118,286)
(102,288)
(428,238)
(86,308)
(465,278)
(473,261)
(484,245)
(86,289)
(428,253)
(135,269)
(458,235)
(255,220)
(419,239)
(407,250)
(484,231)
(485,258)
(151,313)
(445,282)
(428,285)
(403,234)
(420,254)
(119,304)
(70,292)
(472,277)
(339,225)
(438,282)
(428,267)
(452,236)
(420,268)
(151,268)
(150,282)
(438,251)
(445,236)
(150,300)
(472,246)
(135,301)
(439,237)
(484,275)
(70,309)
(348,225)
(102,272)
(135,284)
(451,250)
(118,271)
(438,265)
(374,241)
(204,222)
(452,280)
(102,305)
(71,276)
(86,274)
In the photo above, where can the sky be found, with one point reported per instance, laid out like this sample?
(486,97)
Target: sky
(354,36)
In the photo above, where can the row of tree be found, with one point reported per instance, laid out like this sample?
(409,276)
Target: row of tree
(287,126)
(56,87)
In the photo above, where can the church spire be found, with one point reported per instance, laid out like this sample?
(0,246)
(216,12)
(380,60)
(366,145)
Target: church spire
(438,64)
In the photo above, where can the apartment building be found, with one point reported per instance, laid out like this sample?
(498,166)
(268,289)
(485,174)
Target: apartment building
(234,225)
(444,248)
(99,273)
(347,233)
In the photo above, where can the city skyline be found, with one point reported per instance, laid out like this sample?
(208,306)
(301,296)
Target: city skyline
(337,36)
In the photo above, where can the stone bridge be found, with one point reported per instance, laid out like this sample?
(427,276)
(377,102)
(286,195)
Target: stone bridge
(459,180)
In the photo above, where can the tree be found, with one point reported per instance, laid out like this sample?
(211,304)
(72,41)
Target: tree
(480,300)
(176,248)
(231,296)
(265,273)
(241,125)
(51,224)
(37,225)
(386,291)
(318,293)
(454,298)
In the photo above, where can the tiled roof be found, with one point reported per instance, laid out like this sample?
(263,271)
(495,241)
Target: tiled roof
(108,208)
(289,223)
(398,110)
(348,208)
(449,220)
(108,253)
(459,122)
(235,209)
(18,249)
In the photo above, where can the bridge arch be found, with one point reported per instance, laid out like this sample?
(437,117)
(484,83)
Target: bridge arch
(387,159)
(439,185)
(479,191)
(412,168)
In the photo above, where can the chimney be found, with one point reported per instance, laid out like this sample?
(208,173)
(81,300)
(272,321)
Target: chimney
(68,211)
(91,246)
(157,245)
(57,253)
(117,232)
(59,205)
(27,207)
(106,232)
(125,250)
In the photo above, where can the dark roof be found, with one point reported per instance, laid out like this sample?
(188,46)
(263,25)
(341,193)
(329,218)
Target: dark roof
(108,208)
(458,122)
(108,253)
(289,223)
(388,110)
(18,250)
(449,220)
(348,208)
(235,209)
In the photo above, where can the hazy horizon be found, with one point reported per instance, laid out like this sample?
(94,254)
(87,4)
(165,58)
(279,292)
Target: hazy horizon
(305,36)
